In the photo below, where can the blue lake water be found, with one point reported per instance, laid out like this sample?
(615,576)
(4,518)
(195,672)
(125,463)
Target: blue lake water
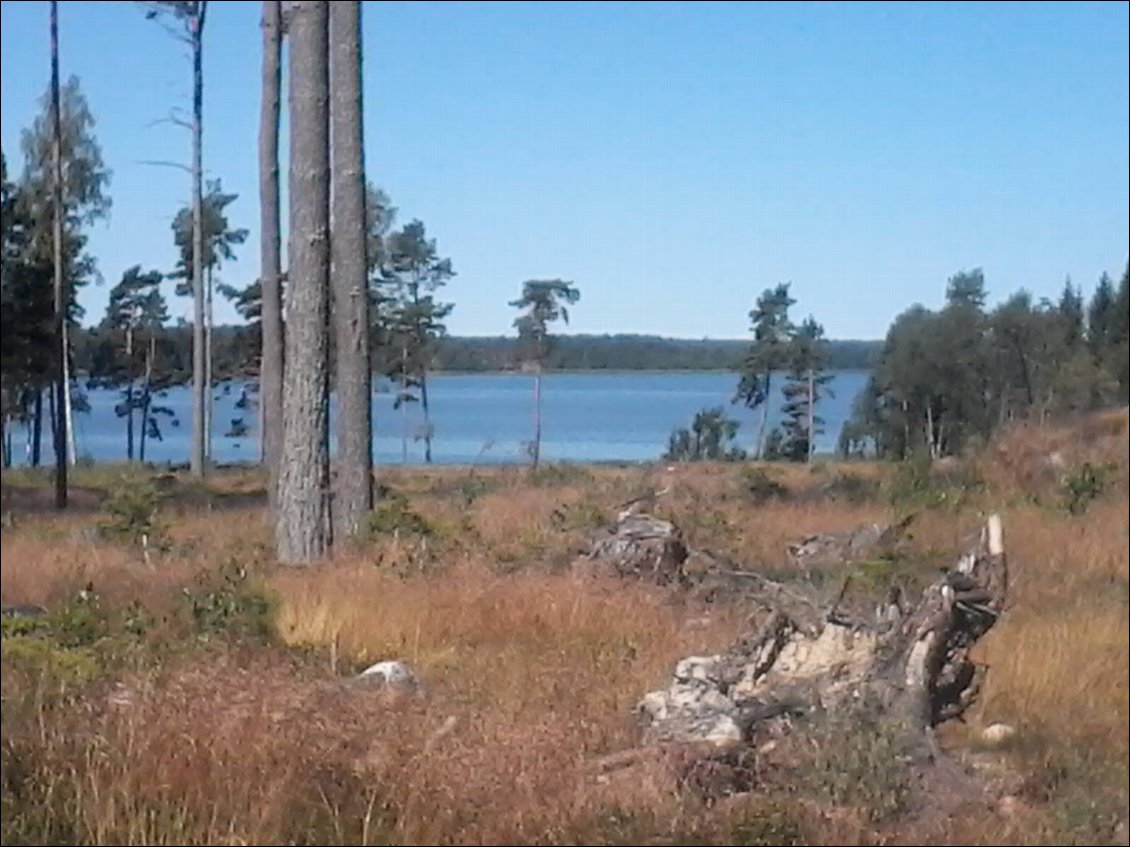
(485,418)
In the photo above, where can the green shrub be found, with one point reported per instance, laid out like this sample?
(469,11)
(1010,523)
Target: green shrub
(765,825)
(228,602)
(394,516)
(759,486)
(560,473)
(917,486)
(1084,485)
(851,488)
(132,512)
(858,760)
(710,437)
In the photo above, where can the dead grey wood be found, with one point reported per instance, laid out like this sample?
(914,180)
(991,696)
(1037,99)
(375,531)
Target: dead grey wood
(910,667)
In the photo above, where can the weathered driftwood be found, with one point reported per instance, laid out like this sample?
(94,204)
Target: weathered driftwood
(911,666)
(643,547)
(839,548)
(22,610)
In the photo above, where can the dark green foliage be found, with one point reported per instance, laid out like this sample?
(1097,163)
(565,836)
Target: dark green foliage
(916,485)
(759,486)
(132,512)
(768,353)
(1084,485)
(394,515)
(220,238)
(27,334)
(236,350)
(543,302)
(709,438)
(766,825)
(860,761)
(806,386)
(410,320)
(946,380)
(229,603)
(128,353)
(851,488)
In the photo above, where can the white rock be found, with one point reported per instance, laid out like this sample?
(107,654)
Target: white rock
(654,705)
(697,669)
(721,730)
(997,733)
(392,673)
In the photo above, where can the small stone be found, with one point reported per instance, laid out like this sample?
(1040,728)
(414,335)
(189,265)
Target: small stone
(997,733)
(697,669)
(1009,805)
(393,674)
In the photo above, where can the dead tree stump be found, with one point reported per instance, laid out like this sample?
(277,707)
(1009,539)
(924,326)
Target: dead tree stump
(911,666)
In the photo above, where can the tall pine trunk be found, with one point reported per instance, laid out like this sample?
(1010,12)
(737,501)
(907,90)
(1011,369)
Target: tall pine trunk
(422,343)
(762,432)
(811,416)
(147,395)
(60,294)
(303,526)
(427,416)
(209,399)
(537,416)
(353,495)
(37,429)
(129,421)
(270,260)
(197,457)
(129,393)
(404,405)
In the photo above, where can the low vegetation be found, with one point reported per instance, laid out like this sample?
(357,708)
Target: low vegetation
(204,696)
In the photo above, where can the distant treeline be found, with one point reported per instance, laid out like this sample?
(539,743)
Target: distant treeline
(630,353)
(236,352)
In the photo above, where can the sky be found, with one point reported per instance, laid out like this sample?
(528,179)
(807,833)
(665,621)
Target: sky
(672,159)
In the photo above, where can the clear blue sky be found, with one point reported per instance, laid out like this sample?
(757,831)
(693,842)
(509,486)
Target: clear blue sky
(673,159)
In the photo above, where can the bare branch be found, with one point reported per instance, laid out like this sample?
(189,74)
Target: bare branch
(181,122)
(164,164)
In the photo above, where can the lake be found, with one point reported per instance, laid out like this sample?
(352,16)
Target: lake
(485,418)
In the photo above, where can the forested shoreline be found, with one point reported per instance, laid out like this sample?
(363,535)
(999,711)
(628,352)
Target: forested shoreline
(236,349)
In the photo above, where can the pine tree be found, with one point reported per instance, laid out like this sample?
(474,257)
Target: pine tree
(303,529)
(353,491)
(805,388)
(768,354)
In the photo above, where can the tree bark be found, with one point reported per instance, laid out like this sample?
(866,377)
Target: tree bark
(537,416)
(404,405)
(270,260)
(147,396)
(761,432)
(197,456)
(37,430)
(303,526)
(60,294)
(427,416)
(811,417)
(353,495)
(129,421)
(68,406)
(209,399)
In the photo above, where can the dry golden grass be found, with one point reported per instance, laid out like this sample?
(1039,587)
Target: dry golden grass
(532,671)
